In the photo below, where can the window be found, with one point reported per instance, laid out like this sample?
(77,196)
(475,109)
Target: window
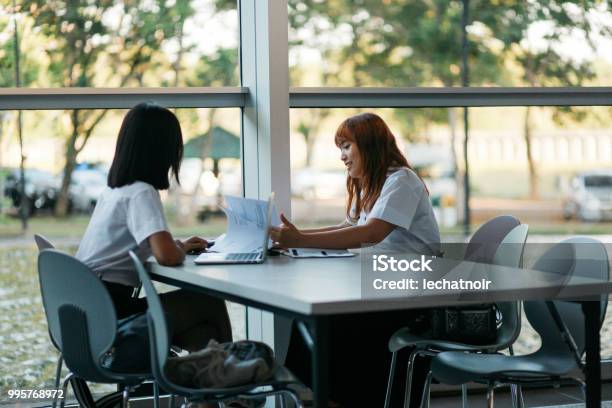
(141,43)
(418,43)
(543,194)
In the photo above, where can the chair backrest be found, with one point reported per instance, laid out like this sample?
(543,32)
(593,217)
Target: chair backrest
(483,244)
(158,328)
(510,253)
(80,313)
(579,256)
(42,242)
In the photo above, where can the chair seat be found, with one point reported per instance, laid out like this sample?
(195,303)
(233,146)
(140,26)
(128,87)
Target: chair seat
(403,338)
(281,377)
(458,367)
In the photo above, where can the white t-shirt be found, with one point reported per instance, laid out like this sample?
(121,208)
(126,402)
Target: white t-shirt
(123,219)
(404,202)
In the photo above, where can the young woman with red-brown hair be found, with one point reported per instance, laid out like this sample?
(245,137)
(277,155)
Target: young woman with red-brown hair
(387,201)
(388,205)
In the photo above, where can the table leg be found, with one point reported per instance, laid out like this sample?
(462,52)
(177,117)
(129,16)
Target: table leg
(320,361)
(591,310)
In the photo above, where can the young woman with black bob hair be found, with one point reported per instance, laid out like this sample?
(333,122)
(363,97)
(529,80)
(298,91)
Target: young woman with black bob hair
(129,216)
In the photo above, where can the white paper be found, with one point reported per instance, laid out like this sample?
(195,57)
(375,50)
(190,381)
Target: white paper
(246,221)
(317,253)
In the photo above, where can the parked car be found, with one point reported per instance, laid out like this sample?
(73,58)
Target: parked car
(315,184)
(88,182)
(589,196)
(41,189)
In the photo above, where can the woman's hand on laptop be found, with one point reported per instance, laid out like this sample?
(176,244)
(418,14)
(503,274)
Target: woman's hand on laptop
(286,235)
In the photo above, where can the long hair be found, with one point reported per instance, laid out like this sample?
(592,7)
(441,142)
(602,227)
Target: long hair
(378,151)
(149,146)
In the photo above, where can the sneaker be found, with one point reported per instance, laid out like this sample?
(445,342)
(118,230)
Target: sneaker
(222,365)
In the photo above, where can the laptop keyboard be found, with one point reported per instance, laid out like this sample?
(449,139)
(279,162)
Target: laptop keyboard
(243,256)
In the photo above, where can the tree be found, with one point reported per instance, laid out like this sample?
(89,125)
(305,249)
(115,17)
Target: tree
(547,64)
(219,69)
(82,34)
(417,43)
(15,71)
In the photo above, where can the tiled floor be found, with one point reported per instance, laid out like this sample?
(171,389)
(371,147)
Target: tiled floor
(566,397)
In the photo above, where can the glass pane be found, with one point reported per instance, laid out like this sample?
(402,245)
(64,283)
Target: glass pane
(571,152)
(27,356)
(133,43)
(419,43)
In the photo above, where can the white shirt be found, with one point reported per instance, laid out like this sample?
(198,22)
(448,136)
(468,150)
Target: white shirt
(404,202)
(123,219)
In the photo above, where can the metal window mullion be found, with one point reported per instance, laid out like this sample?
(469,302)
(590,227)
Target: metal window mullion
(120,98)
(447,97)
(265,118)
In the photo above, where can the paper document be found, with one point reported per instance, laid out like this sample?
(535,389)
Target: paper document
(317,253)
(246,220)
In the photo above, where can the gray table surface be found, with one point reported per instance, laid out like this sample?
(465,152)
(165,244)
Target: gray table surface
(334,286)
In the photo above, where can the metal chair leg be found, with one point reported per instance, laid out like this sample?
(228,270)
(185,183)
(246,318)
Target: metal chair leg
(58,373)
(155,395)
(490,395)
(391,378)
(297,403)
(408,386)
(582,386)
(126,397)
(519,396)
(58,370)
(513,395)
(64,391)
(464,396)
(425,397)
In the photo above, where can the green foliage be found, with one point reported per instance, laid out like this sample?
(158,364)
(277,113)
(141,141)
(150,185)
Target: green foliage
(29,68)
(82,33)
(219,69)
(399,43)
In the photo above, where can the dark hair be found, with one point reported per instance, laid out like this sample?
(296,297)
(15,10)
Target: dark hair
(149,145)
(378,151)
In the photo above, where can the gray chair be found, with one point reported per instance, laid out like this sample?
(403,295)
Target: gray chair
(158,335)
(483,248)
(81,319)
(549,365)
(42,242)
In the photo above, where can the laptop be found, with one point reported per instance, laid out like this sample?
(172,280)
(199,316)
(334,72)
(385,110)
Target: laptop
(209,258)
